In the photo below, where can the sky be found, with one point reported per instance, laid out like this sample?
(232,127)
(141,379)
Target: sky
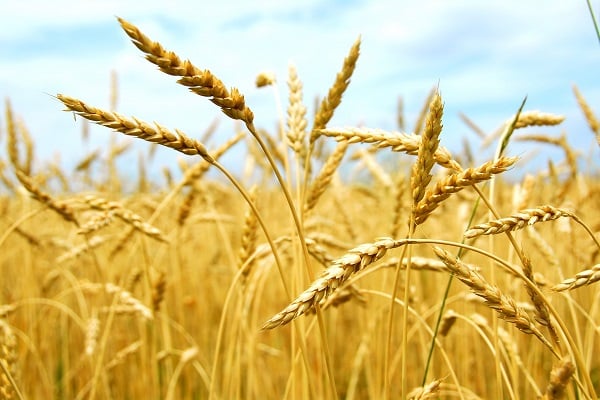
(485,57)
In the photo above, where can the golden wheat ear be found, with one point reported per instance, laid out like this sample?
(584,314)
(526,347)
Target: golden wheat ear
(334,96)
(202,82)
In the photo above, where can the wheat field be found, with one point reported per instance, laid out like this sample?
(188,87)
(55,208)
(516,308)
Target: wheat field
(439,276)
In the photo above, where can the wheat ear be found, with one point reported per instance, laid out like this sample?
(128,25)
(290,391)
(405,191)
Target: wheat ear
(133,127)
(333,277)
(421,170)
(583,278)
(456,182)
(296,111)
(590,117)
(324,177)
(61,207)
(504,305)
(398,142)
(125,215)
(334,96)
(201,82)
(542,316)
(8,363)
(518,221)
(559,379)
(537,118)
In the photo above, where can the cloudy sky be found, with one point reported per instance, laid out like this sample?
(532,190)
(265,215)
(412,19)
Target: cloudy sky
(486,56)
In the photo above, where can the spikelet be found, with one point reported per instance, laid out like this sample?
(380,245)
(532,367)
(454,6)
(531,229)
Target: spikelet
(201,82)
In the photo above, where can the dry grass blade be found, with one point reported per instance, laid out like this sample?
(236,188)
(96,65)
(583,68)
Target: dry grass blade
(201,82)
(518,221)
(133,127)
(398,142)
(582,278)
(456,182)
(332,278)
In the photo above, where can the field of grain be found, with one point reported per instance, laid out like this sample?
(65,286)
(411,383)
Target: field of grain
(439,276)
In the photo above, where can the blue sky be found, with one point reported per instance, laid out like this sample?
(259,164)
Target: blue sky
(485,56)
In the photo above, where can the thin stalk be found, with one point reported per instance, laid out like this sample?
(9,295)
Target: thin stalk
(589,4)
(299,230)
